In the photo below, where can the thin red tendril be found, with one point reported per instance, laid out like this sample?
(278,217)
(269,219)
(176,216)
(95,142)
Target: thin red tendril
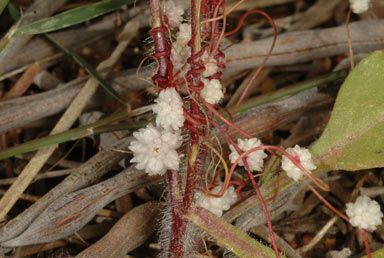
(366,244)
(255,186)
(215,112)
(264,60)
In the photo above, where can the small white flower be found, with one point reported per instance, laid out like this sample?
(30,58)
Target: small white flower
(184,34)
(303,156)
(169,109)
(344,253)
(359,6)
(212,91)
(155,150)
(210,69)
(217,205)
(210,66)
(255,159)
(174,13)
(179,55)
(364,213)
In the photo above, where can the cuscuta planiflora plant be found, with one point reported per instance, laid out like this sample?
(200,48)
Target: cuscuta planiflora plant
(194,61)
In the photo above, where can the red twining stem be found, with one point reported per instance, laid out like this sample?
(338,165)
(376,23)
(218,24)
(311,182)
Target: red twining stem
(162,47)
(195,131)
(193,75)
(175,247)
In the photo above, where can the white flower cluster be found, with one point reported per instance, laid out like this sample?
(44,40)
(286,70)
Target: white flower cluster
(174,13)
(212,91)
(214,204)
(169,109)
(210,66)
(255,159)
(180,50)
(364,213)
(359,6)
(155,150)
(303,156)
(183,36)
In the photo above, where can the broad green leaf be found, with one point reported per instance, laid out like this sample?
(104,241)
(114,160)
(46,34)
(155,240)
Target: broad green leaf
(228,235)
(72,17)
(377,254)
(354,136)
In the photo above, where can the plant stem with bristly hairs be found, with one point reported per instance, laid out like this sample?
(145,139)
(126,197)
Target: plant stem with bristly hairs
(202,63)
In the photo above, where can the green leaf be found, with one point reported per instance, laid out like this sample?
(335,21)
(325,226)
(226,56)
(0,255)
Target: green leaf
(228,235)
(72,17)
(377,254)
(3,4)
(353,138)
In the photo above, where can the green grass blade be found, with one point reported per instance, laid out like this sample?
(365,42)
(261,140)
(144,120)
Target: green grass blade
(101,126)
(69,135)
(15,15)
(72,17)
(3,4)
(13,12)
(78,59)
(228,235)
(290,90)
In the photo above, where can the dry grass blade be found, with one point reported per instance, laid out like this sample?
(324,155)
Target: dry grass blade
(127,234)
(278,113)
(303,46)
(66,121)
(288,250)
(40,9)
(88,232)
(71,212)
(90,171)
(40,50)
(51,174)
(317,14)
(23,83)
(319,235)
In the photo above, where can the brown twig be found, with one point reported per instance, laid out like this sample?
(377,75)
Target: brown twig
(40,9)
(128,233)
(93,169)
(72,211)
(66,121)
